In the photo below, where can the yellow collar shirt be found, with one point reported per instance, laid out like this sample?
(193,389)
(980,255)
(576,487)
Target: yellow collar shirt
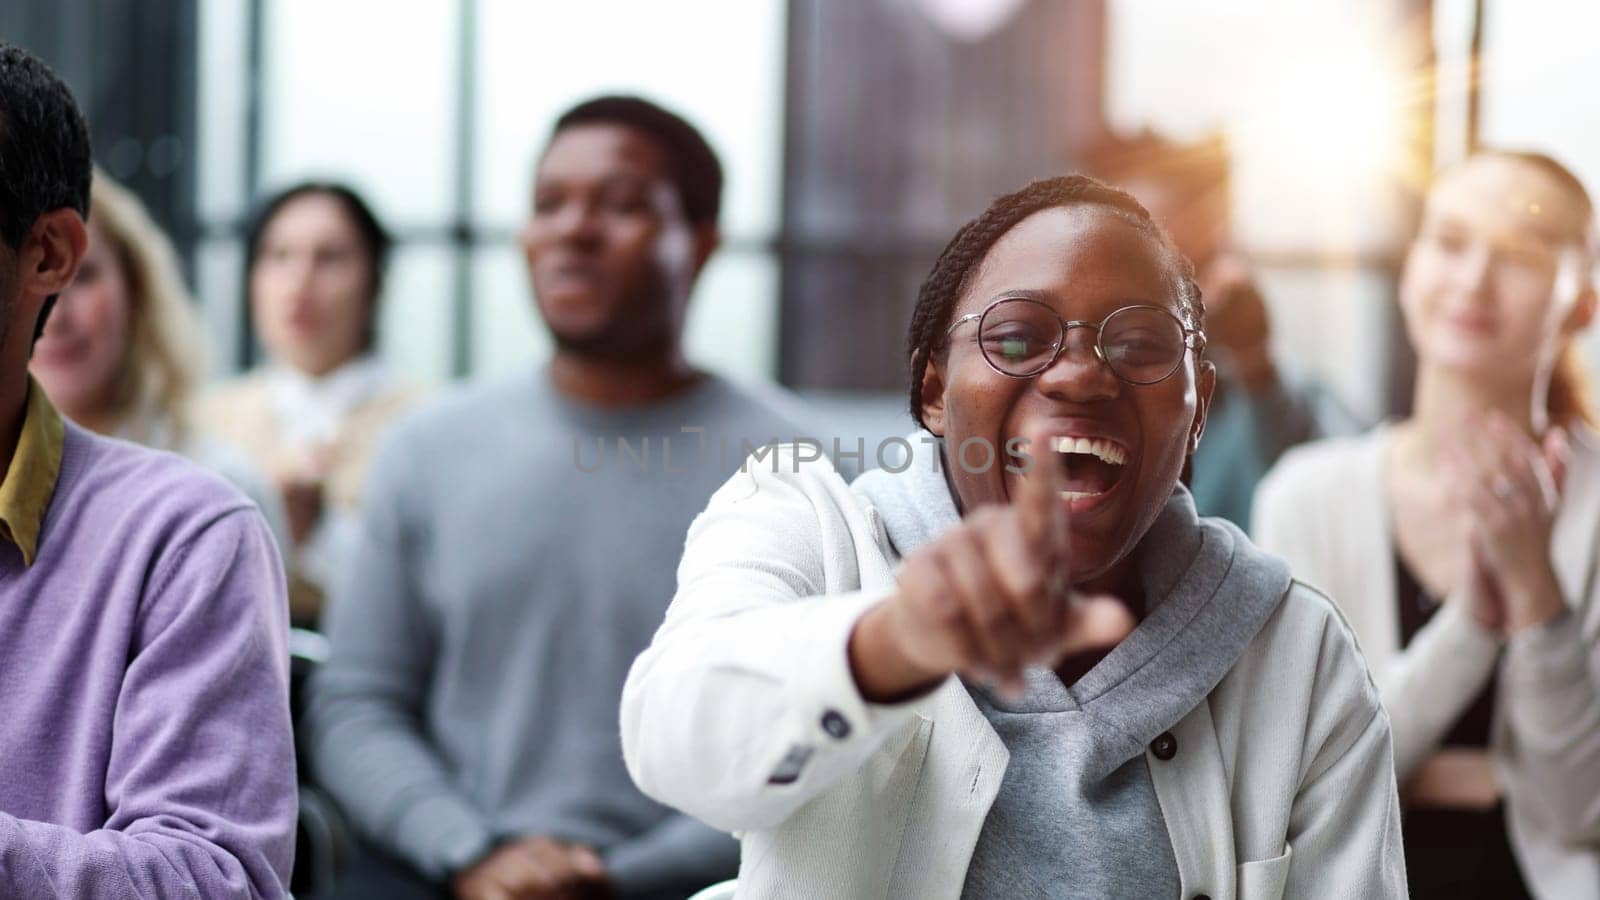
(30,482)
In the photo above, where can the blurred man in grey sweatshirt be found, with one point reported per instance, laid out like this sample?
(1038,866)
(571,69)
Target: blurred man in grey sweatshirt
(519,550)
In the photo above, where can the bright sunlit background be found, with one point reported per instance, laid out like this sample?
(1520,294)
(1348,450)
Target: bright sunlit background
(892,117)
(1322,103)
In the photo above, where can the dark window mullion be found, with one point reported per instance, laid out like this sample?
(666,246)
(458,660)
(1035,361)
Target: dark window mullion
(254,128)
(463,237)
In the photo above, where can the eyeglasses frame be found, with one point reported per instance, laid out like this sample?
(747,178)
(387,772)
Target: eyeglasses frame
(1193,338)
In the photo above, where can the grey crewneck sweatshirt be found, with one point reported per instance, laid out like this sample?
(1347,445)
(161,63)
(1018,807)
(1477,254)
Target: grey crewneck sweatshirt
(1077,814)
(512,564)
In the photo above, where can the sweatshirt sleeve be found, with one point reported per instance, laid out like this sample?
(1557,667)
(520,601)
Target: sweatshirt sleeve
(200,786)
(744,706)
(367,704)
(1426,685)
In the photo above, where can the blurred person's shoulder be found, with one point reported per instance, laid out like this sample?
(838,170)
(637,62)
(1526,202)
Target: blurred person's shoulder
(234,405)
(762,404)
(395,397)
(1326,412)
(1324,467)
(490,413)
(456,412)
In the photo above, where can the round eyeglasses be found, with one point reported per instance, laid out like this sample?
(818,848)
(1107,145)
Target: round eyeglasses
(1021,337)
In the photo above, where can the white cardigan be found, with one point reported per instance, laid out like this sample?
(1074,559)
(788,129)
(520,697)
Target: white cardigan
(1325,508)
(744,712)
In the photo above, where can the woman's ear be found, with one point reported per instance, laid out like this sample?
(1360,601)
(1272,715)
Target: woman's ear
(1205,382)
(932,394)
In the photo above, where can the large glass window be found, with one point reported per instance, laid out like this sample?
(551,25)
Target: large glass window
(436,114)
(1313,107)
(1538,91)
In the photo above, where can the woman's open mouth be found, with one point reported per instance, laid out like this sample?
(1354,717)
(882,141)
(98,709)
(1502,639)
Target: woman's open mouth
(1091,469)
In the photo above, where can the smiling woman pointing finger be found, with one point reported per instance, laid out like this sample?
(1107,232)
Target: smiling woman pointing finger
(1021,666)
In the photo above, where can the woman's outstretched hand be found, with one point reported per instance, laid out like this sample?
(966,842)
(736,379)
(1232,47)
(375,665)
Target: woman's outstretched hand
(987,599)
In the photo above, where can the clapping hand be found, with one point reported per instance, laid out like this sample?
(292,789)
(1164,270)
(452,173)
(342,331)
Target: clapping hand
(1511,488)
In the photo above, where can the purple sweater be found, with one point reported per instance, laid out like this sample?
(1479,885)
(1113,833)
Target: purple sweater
(145,742)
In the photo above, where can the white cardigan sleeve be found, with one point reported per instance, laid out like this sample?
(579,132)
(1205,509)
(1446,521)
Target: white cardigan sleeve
(1306,510)
(744,707)
(1428,685)
(1551,759)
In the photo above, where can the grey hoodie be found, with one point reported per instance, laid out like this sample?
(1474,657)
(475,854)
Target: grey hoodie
(1077,815)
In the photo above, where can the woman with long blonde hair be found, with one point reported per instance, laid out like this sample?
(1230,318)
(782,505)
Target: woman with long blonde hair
(121,354)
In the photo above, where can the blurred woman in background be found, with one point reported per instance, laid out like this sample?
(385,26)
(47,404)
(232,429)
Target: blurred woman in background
(121,353)
(312,414)
(1461,544)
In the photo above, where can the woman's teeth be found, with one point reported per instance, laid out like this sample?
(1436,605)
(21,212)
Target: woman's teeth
(1091,466)
(1099,448)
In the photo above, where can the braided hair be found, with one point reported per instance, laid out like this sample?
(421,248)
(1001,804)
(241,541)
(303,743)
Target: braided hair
(951,273)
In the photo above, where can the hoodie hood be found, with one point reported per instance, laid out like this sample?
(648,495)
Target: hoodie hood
(1208,592)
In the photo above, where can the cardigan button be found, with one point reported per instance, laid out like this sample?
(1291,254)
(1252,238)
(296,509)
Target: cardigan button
(1165,747)
(835,724)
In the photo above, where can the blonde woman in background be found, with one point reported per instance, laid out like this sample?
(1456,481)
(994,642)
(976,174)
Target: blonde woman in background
(312,414)
(1461,541)
(121,352)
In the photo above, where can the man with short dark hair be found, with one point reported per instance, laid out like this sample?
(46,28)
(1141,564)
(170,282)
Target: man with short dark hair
(145,743)
(519,550)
